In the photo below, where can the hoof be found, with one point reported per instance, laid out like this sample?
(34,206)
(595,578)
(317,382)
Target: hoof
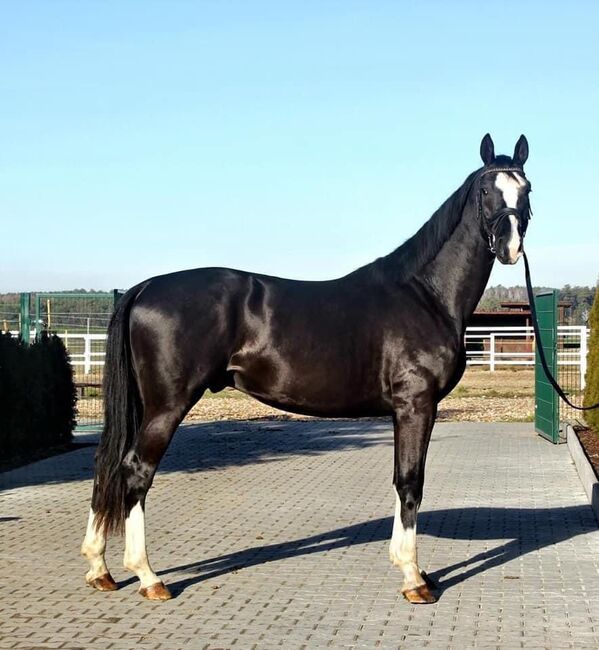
(420,595)
(157,591)
(103,583)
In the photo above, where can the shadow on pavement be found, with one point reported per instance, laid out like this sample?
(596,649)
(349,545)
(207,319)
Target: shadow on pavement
(519,532)
(214,445)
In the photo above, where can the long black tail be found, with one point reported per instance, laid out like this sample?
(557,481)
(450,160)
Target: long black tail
(122,415)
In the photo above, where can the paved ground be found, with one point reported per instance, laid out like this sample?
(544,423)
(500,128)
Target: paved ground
(281,541)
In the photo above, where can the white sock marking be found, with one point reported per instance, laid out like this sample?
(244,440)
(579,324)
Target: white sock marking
(93,548)
(136,558)
(402,549)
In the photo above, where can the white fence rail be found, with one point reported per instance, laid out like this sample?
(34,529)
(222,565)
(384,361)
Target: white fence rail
(485,346)
(515,346)
(88,357)
(84,354)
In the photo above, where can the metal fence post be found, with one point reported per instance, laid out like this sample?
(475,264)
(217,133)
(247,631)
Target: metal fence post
(87,354)
(38,318)
(25,318)
(492,352)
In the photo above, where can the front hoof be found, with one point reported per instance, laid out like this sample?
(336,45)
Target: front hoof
(420,595)
(103,583)
(157,591)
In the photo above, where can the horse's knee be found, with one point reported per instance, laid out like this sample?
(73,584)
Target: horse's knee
(410,496)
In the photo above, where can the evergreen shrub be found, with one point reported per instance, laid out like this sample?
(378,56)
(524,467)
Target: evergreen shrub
(37,395)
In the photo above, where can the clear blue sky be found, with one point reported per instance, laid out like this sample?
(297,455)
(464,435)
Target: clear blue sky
(301,139)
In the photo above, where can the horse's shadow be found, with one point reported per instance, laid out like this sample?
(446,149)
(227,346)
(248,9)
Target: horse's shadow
(213,445)
(520,531)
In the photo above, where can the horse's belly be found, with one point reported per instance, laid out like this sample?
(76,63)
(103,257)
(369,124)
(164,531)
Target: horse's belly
(320,406)
(308,388)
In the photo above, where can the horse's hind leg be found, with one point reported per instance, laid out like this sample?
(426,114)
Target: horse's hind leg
(93,548)
(139,467)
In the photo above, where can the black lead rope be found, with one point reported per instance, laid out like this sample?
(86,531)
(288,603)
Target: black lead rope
(539,346)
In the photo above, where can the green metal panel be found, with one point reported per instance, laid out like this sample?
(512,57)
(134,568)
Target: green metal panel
(37,317)
(546,399)
(25,318)
(78,318)
(41,311)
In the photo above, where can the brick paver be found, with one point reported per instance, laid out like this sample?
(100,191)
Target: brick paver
(274,534)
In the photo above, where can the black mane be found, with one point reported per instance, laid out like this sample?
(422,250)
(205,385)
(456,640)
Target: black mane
(405,261)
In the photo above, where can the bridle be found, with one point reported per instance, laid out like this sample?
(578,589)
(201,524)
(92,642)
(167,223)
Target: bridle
(490,224)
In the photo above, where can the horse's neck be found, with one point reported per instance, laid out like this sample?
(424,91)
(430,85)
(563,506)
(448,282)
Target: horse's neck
(459,273)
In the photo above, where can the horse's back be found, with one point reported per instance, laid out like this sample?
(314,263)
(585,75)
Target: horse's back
(312,347)
(304,346)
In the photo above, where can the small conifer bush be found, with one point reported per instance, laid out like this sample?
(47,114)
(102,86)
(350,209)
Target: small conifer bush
(37,395)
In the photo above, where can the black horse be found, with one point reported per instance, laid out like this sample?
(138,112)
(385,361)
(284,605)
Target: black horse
(386,339)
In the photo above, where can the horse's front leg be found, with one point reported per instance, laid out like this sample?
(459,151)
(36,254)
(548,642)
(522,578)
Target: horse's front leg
(413,422)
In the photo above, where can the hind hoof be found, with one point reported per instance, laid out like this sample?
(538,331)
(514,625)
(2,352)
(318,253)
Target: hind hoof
(420,595)
(103,583)
(157,591)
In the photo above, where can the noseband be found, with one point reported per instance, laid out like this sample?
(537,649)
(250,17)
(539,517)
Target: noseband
(490,224)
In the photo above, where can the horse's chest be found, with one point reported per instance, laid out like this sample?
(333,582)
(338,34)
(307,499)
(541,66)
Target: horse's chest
(425,363)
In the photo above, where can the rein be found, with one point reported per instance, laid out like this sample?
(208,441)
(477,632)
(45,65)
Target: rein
(493,220)
(541,351)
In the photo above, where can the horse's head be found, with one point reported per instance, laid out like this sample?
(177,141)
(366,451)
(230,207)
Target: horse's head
(503,201)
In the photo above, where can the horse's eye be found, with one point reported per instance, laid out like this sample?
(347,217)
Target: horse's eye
(484,191)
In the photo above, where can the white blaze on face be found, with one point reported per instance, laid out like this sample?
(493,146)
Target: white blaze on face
(510,186)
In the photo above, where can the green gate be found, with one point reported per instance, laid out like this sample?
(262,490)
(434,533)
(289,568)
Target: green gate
(546,399)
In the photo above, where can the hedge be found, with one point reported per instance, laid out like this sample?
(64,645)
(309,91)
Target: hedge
(37,395)
(591,392)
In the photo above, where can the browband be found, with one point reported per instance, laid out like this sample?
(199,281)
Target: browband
(503,169)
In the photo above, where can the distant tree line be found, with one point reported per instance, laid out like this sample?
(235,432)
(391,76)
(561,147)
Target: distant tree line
(581,299)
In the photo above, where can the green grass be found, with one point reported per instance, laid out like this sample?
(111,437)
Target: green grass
(229,393)
(514,393)
(460,391)
(525,418)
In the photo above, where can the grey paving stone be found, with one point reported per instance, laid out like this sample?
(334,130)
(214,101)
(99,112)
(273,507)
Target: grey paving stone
(291,520)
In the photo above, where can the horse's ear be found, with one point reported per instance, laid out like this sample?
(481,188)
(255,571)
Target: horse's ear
(487,150)
(521,151)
